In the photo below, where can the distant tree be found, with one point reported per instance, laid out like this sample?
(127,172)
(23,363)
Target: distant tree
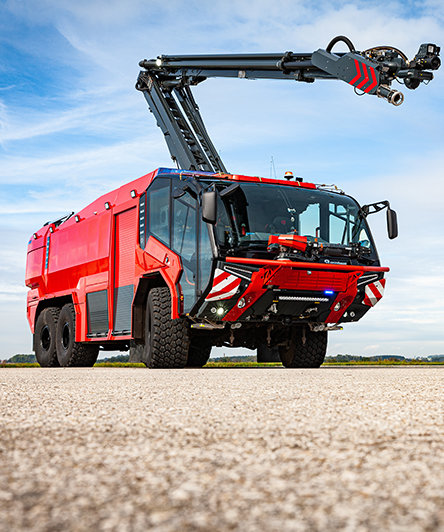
(20,359)
(117,358)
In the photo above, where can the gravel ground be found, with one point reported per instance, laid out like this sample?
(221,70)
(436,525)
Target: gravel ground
(222,449)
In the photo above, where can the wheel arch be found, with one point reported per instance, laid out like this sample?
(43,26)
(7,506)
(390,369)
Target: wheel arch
(139,302)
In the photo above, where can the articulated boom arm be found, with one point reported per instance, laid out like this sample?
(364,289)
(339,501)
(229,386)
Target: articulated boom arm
(166,81)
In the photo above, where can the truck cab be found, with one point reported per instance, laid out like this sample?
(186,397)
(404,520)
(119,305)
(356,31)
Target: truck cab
(263,263)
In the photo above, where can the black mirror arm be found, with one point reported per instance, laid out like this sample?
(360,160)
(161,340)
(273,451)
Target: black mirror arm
(374,207)
(228,191)
(194,188)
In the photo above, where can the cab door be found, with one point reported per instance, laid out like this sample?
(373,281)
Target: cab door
(125,227)
(184,243)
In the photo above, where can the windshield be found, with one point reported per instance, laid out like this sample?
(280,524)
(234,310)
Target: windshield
(253,212)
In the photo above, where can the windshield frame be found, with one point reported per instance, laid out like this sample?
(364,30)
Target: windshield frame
(239,249)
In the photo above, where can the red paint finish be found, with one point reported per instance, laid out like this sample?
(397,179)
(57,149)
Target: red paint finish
(285,277)
(253,179)
(362,78)
(290,241)
(374,292)
(309,280)
(79,255)
(344,299)
(366,77)
(374,82)
(254,291)
(125,243)
(170,270)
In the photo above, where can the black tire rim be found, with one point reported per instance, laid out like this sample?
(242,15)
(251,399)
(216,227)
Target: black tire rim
(45,338)
(66,336)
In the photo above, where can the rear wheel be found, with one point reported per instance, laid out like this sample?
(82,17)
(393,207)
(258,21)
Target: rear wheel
(306,349)
(70,352)
(45,337)
(267,354)
(166,340)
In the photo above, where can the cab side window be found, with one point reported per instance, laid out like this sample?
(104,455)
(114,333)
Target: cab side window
(159,210)
(184,229)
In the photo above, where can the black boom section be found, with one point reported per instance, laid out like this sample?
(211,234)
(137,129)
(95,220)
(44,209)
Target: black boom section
(166,83)
(178,117)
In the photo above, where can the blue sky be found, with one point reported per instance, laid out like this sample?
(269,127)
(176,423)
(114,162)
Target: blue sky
(72,126)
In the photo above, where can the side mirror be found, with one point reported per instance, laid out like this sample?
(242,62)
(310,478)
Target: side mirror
(392,223)
(209,206)
(392,220)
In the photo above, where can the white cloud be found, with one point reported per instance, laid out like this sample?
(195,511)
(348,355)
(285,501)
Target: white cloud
(108,165)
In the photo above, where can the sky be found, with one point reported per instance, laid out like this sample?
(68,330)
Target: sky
(72,127)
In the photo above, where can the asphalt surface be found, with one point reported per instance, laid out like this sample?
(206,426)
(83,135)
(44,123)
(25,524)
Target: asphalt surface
(128,449)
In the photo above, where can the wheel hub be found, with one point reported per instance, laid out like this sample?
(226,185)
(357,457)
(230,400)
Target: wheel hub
(45,338)
(66,336)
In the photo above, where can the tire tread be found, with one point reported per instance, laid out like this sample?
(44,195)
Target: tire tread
(83,355)
(310,354)
(169,338)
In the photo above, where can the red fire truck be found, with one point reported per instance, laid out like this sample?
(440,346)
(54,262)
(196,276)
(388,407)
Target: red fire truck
(184,259)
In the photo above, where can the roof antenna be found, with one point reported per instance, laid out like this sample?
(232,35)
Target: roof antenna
(272,168)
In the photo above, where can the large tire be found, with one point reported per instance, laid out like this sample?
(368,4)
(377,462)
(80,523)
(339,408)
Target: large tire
(198,354)
(69,352)
(267,354)
(304,350)
(45,337)
(166,340)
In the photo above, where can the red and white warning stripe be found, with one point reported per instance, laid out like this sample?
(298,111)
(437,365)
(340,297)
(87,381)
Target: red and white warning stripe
(374,292)
(225,286)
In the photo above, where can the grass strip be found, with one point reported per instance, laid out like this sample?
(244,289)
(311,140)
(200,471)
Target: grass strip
(247,364)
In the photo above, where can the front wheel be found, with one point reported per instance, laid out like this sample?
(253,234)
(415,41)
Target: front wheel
(199,353)
(305,349)
(70,352)
(166,340)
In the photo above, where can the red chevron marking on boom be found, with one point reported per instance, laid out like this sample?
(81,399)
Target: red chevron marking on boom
(366,78)
(358,75)
(374,82)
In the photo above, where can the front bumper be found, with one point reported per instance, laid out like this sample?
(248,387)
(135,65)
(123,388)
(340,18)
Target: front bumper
(253,290)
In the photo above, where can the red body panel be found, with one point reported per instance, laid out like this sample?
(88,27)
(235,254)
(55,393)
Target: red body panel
(79,255)
(125,243)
